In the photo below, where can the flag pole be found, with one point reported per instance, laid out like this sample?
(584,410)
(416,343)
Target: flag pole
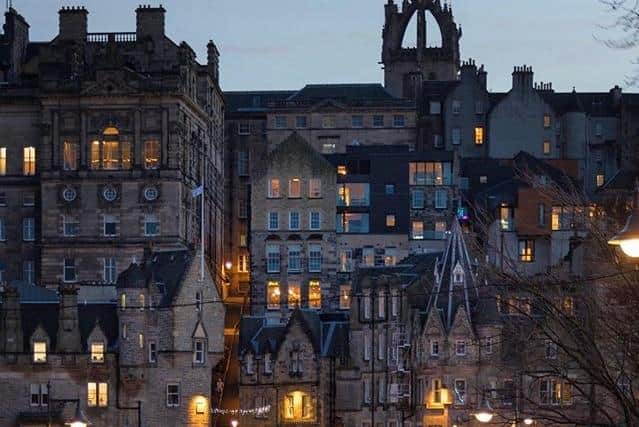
(202,222)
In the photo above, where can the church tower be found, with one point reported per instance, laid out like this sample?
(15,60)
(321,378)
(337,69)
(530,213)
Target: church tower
(405,68)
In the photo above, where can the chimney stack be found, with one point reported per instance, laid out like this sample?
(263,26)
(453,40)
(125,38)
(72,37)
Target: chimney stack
(150,22)
(16,30)
(523,78)
(482,76)
(73,24)
(213,61)
(10,321)
(68,322)
(468,70)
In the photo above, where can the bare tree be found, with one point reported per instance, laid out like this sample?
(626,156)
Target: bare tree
(623,29)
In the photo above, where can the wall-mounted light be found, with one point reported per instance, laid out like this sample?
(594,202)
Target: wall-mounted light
(628,238)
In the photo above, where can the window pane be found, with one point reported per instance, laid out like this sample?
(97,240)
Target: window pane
(29,160)
(70,156)
(294,295)
(273,292)
(3,160)
(314,294)
(151,154)
(92,394)
(111,155)
(95,155)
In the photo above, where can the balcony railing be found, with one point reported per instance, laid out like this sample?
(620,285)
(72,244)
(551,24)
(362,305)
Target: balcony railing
(111,37)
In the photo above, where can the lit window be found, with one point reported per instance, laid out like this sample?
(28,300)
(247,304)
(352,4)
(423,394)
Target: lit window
(294,259)
(39,394)
(69,273)
(141,302)
(600,180)
(274,188)
(479,135)
(378,121)
(151,225)
(315,221)
(110,226)
(315,188)
(294,188)
(506,218)
(243,264)
(341,170)
(70,156)
(314,294)
(526,250)
(328,148)
(547,121)
(345,297)
(70,226)
(430,173)
(417,232)
(29,161)
(97,395)
(353,223)
(346,260)
(353,194)
(110,155)
(399,121)
(315,258)
(3,161)
(569,306)
(298,406)
(547,147)
(95,155)
(39,352)
(199,352)
(97,352)
(151,154)
(390,221)
(294,295)
(273,292)
(141,340)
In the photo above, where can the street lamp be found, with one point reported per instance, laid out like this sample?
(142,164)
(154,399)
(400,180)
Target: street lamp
(228,265)
(528,421)
(234,423)
(628,238)
(79,420)
(485,412)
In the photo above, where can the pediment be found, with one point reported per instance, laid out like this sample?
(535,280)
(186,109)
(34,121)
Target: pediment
(328,106)
(108,87)
(199,332)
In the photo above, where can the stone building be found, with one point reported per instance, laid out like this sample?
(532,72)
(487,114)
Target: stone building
(145,359)
(293,242)
(111,132)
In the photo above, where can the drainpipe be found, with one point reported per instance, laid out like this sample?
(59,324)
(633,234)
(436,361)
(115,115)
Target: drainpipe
(118,405)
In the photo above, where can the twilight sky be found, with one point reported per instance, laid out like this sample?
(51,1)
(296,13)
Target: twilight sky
(284,44)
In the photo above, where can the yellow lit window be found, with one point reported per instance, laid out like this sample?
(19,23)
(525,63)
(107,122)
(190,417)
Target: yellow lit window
(70,154)
(141,302)
(97,395)
(111,131)
(344,297)
(123,301)
(39,352)
(29,160)
(97,352)
(3,160)
(141,340)
(390,221)
(569,306)
(546,147)
(294,295)
(298,406)
(295,188)
(526,250)
(110,155)
(273,292)
(479,135)
(125,147)
(601,179)
(341,170)
(314,294)
(417,231)
(95,155)
(151,154)
(547,120)
(274,188)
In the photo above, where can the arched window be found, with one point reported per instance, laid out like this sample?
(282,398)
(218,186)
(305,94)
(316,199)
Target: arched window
(112,151)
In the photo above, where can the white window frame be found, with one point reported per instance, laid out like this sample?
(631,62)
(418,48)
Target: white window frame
(148,220)
(272,193)
(175,393)
(109,270)
(399,121)
(28,229)
(291,226)
(314,260)
(273,221)
(461,344)
(434,348)
(199,352)
(110,219)
(319,221)
(67,267)
(274,250)
(152,351)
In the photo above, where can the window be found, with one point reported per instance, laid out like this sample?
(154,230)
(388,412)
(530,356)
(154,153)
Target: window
(417,231)
(300,122)
(547,147)
(441,199)
(243,240)
(268,364)
(479,135)
(314,294)
(390,220)
(600,180)
(367,306)
(294,259)
(488,345)
(460,348)
(547,121)
(273,221)
(430,173)
(244,128)
(456,136)
(381,346)
(69,273)
(199,352)
(39,395)
(352,223)
(153,352)
(315,188)
(3,199)
(506,218)
(357,121)
(328,122)
(551,350)
(110,225)
(151,154)
(368,256)
(141,340)
(399,121)
(123,329)
(274,188)
(3,230)
(28,229)
(39,352)
(460,392)
(479,107)
(526,250)
(314,258)
(328,148)
(70,226)
(483,179)
(341,170)
(569,306)
(29,161)
(294,188)
(243,264)
(437,391)
(437,141)
(456,106)
(249,364)
(434,348)
(389,189)
(272,259)
(97,352)
(109,271)
(298,406)
(367,341)
(315,222)
(541,215)
(381,305)
(151,225)
(435,108)
(28,199)
(3,161)
(555,392)
(294,295)
(28,272)
(598,129)
(353,194)
(242,163)
(172,395)
(345,297)
(378,121)
(281,122)
(273,294)
(417,199)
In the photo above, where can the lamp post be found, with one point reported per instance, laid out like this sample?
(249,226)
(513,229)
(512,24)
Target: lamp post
(485,412)
(78,420)
(628,238)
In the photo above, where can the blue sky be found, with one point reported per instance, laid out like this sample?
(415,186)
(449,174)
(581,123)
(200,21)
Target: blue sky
(284,44)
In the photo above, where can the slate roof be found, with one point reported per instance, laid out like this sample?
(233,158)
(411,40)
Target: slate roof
(343,92)
(253,101)
(623,180)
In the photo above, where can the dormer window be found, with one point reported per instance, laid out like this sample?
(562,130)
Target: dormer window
(141,301)
(458,275)
(123,301)
(460,348)
(97,352)
(249,364)
(39,352)
(199,352)
(268,364)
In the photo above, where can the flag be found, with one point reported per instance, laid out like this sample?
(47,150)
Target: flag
(197,191)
